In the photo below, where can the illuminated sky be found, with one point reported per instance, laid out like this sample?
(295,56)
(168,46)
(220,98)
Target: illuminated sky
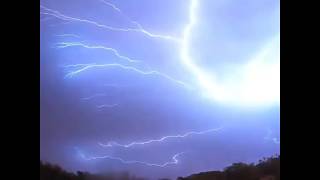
(160,88)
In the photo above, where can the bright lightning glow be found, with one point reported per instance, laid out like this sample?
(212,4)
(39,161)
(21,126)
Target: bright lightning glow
(203,78)
(259,84)
(85,67)
(59,15)
(172,162)
(112,144)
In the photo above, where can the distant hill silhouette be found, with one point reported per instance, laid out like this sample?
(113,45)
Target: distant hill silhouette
(54,172)
(266,169)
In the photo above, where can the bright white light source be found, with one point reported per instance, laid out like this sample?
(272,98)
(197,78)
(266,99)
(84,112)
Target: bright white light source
(259,80)
(258,83)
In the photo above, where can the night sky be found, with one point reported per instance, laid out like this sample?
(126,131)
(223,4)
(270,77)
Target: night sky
(160,88)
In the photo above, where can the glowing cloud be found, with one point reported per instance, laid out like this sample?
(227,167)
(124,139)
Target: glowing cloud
(260,82)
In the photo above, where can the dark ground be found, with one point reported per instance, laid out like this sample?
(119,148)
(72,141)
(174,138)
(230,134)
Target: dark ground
(266,169)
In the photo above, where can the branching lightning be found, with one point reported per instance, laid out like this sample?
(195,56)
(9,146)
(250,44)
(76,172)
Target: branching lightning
(260,80)
(102,106)
(139,26)
(207,81)
(107,106)
(187,60)
(162,139)
(256,86)
(59,15)
(68,35)
(174,160)
(84,67)
(112,6)
(79,44)
(93,96)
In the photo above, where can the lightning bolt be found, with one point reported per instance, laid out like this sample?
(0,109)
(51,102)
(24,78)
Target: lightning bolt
(162,139)
(174,160)
(61,16)
(68,35)
(84,67)
(93,96)
(258,84)
(114,7)
(203,78)
(206,80)
(139,26)
(107,106)
(79,44)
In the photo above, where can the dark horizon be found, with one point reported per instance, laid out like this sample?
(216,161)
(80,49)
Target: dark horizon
(267,168)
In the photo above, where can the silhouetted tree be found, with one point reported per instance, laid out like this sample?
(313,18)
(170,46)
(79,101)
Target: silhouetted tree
(54,172)
(267,168)
(241,171)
